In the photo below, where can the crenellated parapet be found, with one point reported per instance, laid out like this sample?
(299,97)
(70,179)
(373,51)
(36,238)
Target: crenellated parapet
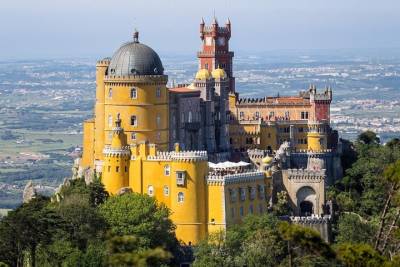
(237,178)
(305,175)
(117,80)
(179,156)
(109,151)
(310,219)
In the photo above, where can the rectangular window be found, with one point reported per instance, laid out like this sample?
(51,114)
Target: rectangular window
(158,92)
(257,115)
(133,120)
(241,115)
(126,169)
(241,211)
(133,136)
(117,169)
(287,114)
(242,193)
(180,178)
(109,168)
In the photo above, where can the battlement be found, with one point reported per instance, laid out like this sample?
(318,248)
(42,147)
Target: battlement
(137,79)
(236,178)
(305,174)
(180,156)
(108,151)
(256,153)
(105,62)
(314,219)
(274,101)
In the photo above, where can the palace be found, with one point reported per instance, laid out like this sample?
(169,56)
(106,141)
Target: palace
(209,155)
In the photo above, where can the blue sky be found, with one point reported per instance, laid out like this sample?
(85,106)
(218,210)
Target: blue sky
(96,28)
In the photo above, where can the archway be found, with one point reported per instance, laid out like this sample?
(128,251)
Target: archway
(306,201)
(306,208)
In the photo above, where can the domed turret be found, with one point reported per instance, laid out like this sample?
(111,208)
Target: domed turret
(203,74)
(218,73)
(134,58)
(267,160)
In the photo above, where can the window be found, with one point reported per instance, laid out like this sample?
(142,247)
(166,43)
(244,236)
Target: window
(109,168)
(271,114)
(242,193)
(180,178)
(110,135)
(241,115)
(206,65)
(183,117)
(166,190)
(110,93)
(257,115)
(133,120)
(261,191)
(150,190)
(158,120)
(241,211)
(232,194)
(301,129)
(133,93)
(158,136)
(190,116)
(133,136)
(110,121)
(126,169)
(232,212)
(158,92)
(181,197)
(117,169)
(251,210)
(173,134)
(167,170)
(304,115)
(287,114)
(252,192)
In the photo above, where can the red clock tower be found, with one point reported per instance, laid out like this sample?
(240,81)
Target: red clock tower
(215,49)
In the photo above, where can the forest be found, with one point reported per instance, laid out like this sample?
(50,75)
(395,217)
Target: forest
(87,227)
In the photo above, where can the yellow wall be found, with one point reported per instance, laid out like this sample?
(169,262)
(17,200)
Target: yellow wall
(101,69)
(88,144)
(146,107)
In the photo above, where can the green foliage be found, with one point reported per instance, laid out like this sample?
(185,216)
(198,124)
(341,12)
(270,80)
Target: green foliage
(359,255)
(354,229)
(127,251)
(97,192)
(141,216)
(282,206)
(368,138)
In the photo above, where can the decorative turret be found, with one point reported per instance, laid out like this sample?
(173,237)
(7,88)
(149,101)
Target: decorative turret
(116,160)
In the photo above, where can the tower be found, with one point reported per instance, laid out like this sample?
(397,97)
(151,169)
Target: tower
(116,160)
(215,49)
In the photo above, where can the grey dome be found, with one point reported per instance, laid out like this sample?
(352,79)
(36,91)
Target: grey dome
(134,58)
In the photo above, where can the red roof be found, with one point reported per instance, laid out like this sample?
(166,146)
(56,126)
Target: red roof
(182,90)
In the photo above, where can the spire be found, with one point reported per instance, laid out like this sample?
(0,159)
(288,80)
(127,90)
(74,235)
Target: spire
(136,36)
(215,22)
(202,21)
(228,22)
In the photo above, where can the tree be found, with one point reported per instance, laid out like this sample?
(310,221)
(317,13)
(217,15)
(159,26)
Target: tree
(368,138)
(359,255)
(282,206)
(141,216)
(25,228)
(126,251)
(352,228)
(97,192)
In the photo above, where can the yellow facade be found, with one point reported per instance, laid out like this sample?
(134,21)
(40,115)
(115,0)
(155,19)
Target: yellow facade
(88,144)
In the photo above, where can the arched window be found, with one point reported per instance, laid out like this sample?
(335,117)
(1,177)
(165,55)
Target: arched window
(133,120)
(133,93)
(251,210)
(110,121)
(190,117)
(110,93)
(133,136)
(150,190)
(167,170)
(180,197)
(166,190)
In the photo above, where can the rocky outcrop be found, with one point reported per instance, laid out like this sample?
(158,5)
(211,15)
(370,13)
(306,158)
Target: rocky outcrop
(29,192)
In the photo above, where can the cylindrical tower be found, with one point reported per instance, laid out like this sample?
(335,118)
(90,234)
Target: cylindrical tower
(136,88)
(188,195)
(101,71)
(116,161)
(316,137)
